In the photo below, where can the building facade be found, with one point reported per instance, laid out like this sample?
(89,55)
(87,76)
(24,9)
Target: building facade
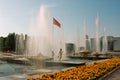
(116,45)
(113,44)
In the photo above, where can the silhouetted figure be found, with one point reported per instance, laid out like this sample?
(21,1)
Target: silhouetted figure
(53,55)
(60,54)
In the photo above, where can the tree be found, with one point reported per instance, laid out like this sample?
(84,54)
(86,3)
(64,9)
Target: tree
(1,43)
(10,42)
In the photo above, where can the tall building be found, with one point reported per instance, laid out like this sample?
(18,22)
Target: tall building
(87,43)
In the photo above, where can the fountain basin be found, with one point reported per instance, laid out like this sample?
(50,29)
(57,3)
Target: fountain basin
(88,57)
(64,63)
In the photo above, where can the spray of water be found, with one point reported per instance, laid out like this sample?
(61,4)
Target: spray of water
(105,43)
(97,35)
(39,40)
(44,37)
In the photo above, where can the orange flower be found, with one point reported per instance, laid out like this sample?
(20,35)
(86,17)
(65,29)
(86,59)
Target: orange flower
(89,72)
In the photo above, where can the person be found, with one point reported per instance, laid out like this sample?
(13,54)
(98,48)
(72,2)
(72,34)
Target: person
(60,54)
(53,55)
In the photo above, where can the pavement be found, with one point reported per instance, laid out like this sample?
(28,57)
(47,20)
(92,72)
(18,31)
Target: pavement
(113,76)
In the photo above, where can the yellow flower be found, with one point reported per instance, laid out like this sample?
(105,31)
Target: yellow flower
(89,72)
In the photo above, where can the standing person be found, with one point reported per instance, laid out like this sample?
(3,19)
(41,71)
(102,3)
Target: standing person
(60,54)
(53,55)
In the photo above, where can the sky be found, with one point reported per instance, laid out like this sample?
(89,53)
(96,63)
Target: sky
(16,15)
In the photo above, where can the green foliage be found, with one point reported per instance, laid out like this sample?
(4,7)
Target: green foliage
(7,43)
(10,42)
(2,44)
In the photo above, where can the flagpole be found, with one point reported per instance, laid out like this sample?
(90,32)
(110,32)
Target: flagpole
(56,23)
(61,38)
(53,42)
(53,37)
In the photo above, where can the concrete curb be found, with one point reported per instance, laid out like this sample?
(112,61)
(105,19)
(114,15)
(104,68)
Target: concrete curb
(109,73)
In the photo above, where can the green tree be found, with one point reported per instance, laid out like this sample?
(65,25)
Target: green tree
(3,47)
(1,43)
(10,42)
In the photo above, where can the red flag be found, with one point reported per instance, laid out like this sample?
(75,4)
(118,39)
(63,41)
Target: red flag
(55,22)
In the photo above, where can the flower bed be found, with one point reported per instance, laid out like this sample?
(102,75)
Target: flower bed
(88,72)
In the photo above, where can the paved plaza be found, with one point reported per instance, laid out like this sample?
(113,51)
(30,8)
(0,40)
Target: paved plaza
(114,76)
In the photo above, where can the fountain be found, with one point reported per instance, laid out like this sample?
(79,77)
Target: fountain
(39,41)
(86,38)
(44,39)
(97,35)
(97,53)
(105,43)
(84,34)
